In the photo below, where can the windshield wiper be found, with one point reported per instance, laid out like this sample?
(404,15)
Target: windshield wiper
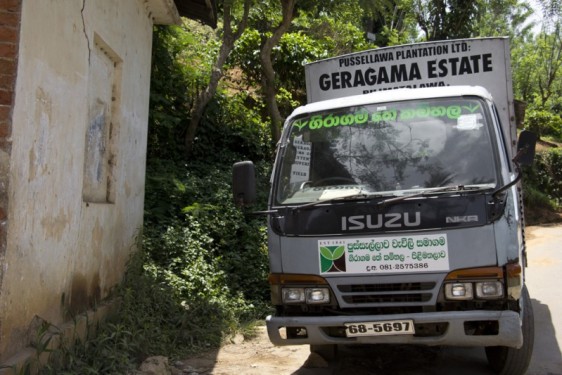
(454,189)
(354,197)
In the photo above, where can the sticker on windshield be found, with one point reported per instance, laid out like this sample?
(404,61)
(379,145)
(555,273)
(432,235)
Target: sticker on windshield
(469,122)
(384,114)
(423,253)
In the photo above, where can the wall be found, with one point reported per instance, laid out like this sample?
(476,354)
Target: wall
(77,163)
(10,15)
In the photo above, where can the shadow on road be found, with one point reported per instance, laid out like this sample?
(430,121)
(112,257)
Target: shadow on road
(547,357)
(404,359)
(421,360)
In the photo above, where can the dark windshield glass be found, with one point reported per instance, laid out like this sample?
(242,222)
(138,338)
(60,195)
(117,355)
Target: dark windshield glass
(387,149)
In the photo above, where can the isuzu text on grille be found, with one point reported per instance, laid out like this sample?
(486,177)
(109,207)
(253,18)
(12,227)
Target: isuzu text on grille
(393,220)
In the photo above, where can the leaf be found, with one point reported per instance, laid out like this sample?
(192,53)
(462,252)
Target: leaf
(338,252)
(326,253)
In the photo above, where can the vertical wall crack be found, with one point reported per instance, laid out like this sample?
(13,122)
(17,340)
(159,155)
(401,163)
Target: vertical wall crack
(84,29)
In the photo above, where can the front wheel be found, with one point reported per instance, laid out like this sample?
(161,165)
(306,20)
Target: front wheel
(510,361)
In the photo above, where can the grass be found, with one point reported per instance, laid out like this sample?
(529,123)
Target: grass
(151,320)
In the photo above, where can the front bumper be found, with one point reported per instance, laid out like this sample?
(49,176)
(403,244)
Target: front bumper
(317,329)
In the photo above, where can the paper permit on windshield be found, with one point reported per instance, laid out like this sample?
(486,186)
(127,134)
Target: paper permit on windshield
(339,192)
(469,122)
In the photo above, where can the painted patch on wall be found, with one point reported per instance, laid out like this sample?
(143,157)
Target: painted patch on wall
(103,101)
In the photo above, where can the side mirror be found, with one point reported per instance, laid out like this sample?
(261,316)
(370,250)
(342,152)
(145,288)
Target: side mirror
(526,148)
(244,183)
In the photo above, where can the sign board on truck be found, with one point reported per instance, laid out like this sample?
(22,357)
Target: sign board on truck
(477,62)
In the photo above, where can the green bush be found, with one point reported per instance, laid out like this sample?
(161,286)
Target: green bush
(230,130)
(542,188)
(543,123)
(191,221)
(546,174)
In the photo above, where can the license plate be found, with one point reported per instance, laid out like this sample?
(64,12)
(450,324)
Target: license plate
(388,327)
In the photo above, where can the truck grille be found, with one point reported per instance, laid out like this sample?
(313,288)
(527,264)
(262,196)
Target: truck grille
(392,294)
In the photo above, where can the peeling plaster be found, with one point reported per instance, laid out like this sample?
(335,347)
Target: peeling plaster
(38,152)
(55,226)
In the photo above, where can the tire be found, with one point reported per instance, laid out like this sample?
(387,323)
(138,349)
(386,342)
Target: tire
(510,361)
(328,352)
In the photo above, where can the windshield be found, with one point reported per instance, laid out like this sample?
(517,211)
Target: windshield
(386,149)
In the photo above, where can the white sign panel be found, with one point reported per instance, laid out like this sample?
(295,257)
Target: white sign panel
(384,255)
(475,62)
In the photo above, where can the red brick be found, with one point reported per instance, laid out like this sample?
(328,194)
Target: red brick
(7,50)
(6,97)
(7,81)
(10,18)
(8,34)
(5,130)
(11,5)
(4,112)
(7,66)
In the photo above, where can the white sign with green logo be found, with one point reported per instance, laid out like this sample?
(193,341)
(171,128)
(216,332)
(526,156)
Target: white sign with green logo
(384,254)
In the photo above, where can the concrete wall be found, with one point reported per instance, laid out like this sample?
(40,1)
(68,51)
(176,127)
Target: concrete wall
(76,166)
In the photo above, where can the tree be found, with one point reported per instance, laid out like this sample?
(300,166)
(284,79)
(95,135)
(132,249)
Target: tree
(313,30)
(537,62)
(229,37)
(445,19)
(392,22)
(269,86)
(180,70)
(503,18)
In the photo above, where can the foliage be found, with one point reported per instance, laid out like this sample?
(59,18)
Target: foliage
(390,22)
(180,70)
(545,179)
(450,19)
(503,18)
(543,123)
(537,65)
(191,219)
(153,319)
(321,30)
(232,129)
(232,29)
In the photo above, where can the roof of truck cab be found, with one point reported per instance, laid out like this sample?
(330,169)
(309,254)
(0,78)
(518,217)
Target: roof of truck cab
(396,95)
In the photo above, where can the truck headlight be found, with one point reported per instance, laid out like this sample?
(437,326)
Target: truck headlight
(489,289)
(458,291)
(293,295)
(312,296)
(317,295)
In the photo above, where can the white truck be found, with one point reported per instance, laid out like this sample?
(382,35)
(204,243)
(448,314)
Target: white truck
(395,213)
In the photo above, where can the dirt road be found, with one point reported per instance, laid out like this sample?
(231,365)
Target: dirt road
(259,357)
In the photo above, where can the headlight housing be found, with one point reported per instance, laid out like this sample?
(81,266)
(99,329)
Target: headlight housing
(483,283)
(459,291)
(312,296)
(293,295)
(317,295)
(489,289)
